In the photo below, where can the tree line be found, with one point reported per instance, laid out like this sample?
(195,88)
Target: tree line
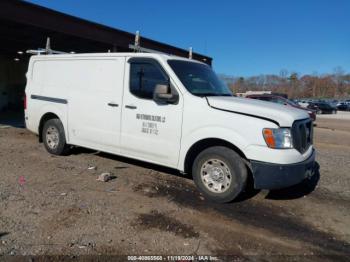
(333,85)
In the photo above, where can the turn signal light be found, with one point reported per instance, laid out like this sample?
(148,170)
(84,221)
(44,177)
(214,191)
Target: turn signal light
(269,138)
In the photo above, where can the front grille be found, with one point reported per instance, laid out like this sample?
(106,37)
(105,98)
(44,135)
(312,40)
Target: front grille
(302,133)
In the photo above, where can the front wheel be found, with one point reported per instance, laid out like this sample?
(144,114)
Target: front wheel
(54,137)
(220,174)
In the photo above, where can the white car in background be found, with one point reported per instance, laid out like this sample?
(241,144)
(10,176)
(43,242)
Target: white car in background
(303,104)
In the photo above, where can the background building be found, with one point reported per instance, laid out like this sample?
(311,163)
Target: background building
(25,26)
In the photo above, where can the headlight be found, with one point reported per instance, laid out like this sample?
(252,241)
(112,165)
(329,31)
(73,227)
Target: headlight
(278,138)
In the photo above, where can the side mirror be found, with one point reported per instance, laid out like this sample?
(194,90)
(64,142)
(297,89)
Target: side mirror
(162,94)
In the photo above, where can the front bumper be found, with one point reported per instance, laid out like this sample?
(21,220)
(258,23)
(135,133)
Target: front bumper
(276,176)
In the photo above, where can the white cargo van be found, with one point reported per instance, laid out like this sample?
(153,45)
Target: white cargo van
(169,111)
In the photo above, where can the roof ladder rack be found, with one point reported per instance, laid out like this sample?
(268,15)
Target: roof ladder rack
(190,53)
(137,47)
(47,50)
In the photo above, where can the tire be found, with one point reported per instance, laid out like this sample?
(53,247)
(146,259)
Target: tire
(226,181)
(54,137)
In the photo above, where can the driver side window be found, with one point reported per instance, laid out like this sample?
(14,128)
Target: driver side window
(144,77)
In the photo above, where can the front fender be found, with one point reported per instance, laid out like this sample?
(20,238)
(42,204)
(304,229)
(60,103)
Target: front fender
(208,132)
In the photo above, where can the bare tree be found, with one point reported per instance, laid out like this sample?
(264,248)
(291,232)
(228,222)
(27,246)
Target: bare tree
(336,84)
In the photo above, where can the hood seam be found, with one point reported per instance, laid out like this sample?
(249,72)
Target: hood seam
(245,114)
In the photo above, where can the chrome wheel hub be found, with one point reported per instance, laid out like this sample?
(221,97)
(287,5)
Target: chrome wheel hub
(52,137)
(216,175)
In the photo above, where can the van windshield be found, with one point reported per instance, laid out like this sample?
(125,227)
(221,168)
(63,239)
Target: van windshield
(199,79)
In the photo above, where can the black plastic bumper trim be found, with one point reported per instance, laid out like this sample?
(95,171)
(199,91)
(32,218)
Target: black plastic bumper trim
(276,176)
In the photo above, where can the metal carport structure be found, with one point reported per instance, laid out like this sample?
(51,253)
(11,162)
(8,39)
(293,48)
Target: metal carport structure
(26,26)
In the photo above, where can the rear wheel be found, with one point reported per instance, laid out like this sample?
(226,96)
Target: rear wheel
(219,173)
(54,137)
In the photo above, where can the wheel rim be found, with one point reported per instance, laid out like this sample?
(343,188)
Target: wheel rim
(52,137)
(216,175)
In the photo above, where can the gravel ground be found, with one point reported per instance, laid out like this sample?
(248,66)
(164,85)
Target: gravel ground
(53,205)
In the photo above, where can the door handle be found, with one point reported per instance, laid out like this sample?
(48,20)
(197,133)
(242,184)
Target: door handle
(130,107)
(113,104)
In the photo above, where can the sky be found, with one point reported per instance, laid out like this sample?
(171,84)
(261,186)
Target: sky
(244,37)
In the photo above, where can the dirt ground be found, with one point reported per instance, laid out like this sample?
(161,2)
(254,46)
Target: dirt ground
(53,205)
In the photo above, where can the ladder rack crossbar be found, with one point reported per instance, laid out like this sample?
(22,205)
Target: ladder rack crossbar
(136,47)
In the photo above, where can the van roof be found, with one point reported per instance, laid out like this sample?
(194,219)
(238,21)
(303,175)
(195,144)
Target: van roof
(140,54)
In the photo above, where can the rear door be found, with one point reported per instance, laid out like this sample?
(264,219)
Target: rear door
(95,103)
(150,131)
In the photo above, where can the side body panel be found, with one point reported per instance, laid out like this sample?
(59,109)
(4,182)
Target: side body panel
(95,98)
(92,89)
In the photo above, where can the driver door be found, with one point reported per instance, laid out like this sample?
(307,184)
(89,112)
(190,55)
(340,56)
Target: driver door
(150,131)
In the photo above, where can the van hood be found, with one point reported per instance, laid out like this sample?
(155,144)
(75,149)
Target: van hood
(283,115)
